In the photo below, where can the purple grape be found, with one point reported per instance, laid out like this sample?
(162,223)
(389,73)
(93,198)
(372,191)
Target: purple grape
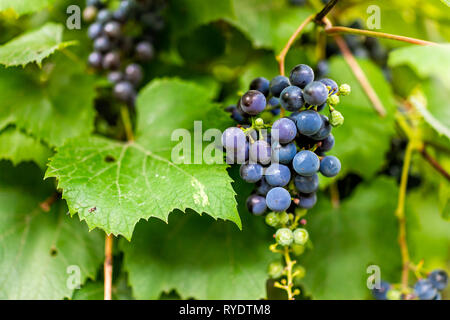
(102,44)
(95,60)
(256,204)
(278,199)
(233,139)
(327,143)
(309,122)
(301,75)
(306,163)
(251,172)
(284,129)
(124,91)
(315,93)
(260,84)
(134,73)
(307,201)
(291,98)
(260,151)
(95,30)
(111,61)
(144,51)
(324,131)
(278,84)
(307,184)
(277,175)
(330,83)
(253,102)
(330,166)
(263,187)
(284,153)
(112,29)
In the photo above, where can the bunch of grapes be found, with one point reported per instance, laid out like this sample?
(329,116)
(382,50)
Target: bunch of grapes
(122,40)
(283,158)
(424,289)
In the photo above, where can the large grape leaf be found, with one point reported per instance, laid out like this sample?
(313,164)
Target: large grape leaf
(112,185)
(33,46)
(419,59)
(199,257)
(20,7)
(52,110)
(362,232)
(40,251)
(17,147)
(363,140)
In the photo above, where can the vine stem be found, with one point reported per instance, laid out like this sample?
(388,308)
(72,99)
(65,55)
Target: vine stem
(281,57)
(400,214)
(289,265)
(125,114)
(108,267)
(434,163)
(368,33)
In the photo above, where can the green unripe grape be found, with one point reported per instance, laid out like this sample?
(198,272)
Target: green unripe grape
(284,237)
(259,122)
(283,217)
(344,89)
(333,100)
(393,294)
(336,118)
(276,269)
(272,219)
(301,236)
(297,249)
(300,272)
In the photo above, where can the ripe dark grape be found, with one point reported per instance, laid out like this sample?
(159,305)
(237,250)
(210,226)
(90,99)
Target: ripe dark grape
(260,151)
(104,15)
(260,84)
(124,91)
(306,163)
(253,102)
(278,84)
(111,61)
(307,184)
(309,122)
(291,98)
(425,290)
(102,44)
(256,204)
(307,201)
(233,138)
(327,143)
(95,60)
(330,83)
(284,129)
(134,73)
(112,29)
(251,172)
(301,75)
(324,130)
(315,93)
(284,153)
(263,187)
(439,279)
(115,76)
(381,292)
(330,166)
(144,51)
(278,199)
(95,30)
(278,175)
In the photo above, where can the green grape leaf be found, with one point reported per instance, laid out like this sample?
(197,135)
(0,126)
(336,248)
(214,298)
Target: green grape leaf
(268,23)
(18,147)
(54,110)
(362,232)
(418,59)
(19,7)
(33,46)
(199,258)
(112,185)
(43,255)
(363,140)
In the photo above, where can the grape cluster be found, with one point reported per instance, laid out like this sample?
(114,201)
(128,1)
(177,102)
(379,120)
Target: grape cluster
(122,41)
(424,289)
(284,158)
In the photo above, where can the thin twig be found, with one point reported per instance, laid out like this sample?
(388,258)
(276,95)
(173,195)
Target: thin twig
(400,214)
(368,33)
(108,266)
(434,163)
(47,204)
(289,265)
(282,56)
(330,5)
(125,114)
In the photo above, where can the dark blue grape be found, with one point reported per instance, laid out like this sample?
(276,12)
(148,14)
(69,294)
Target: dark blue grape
(301,75)
(425,290)
(263,187)
(284,153)
(253,102)
(102,44)
(260,152)
(284,130)
(277,175)
(104,15)
(322,68)
(291,98)
(330,83)
(306,163)
(144,51)
(321,107)
(256,204)
(239,156)
(307,184)
(274,102)
(95,3)
(327,143)
(381,292)
(278,199)
(124,91)
(324,131)
(134,73)
(315,93)
(278,84)
(95,60)
(95,30)
(260,84)
(307,201)
(439,279)
(111,61)
(330,166)
(115,76)
(233,139)
(112,29)
(251,172)
(309,122)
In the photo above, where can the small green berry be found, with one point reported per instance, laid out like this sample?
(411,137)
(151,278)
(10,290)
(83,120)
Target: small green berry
(272,219)
(276,269)
(393,294)
(259,122)
(283,217)
(284,237)
(333,100)
(297,249)
(336,118)
(301,236)
(344,89)
(300,272)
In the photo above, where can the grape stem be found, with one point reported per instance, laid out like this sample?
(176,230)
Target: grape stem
(108,267)
(400,214)
(125,114)
(434,163)
(47,204)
